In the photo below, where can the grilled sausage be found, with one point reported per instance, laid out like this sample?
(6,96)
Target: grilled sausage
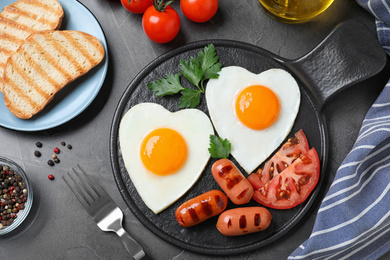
(200,208)
(240,221)
(232,181)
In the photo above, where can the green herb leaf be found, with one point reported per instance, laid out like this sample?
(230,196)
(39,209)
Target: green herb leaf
(219,148)
(190,98)
(191,71)
(196,71)
(209,62)
(212,72)
(166,86)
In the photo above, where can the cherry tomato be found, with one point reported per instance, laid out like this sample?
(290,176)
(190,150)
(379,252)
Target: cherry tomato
(289,177)
(161,26)
(136,6)
(199,10)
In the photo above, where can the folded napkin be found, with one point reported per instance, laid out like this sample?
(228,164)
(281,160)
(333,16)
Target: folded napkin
(353,221)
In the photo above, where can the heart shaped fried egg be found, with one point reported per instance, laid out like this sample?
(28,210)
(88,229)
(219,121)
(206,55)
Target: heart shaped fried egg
(255,112)
(164,153)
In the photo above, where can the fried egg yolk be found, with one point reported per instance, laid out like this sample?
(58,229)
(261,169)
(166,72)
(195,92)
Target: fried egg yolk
(257,107)
(163,151)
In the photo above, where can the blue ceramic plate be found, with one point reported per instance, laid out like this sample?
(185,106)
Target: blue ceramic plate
(73,99)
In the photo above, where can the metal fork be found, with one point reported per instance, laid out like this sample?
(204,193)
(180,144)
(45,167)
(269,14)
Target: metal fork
(102,208)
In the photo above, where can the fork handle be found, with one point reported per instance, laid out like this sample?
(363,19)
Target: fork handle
(131,245)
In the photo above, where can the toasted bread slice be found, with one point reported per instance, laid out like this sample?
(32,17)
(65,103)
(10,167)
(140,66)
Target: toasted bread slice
(45,63)
(19,19)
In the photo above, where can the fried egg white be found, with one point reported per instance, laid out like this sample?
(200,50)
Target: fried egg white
(255,112)
(164,153)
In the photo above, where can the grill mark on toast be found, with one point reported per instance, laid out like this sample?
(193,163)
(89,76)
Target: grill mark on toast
(24,75)
(62,50)
(49,7)
(46,53)
(7,39)
(8,45)
(80,47)
(51,60)
(47,69)
(9,25)
(12,10)
(12,106)
(43,14)
(21,93)
(43,74)
(26,8)
(6,52)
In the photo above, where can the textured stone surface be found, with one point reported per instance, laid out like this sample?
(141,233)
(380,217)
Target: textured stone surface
(59,228)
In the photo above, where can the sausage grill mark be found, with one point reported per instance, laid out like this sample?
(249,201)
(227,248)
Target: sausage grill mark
(239,221)
(220,202)
(206,207)
(200,208)
(225,170)
(242,222)
(257,220)
(231,182)
(193,214)
(243,193)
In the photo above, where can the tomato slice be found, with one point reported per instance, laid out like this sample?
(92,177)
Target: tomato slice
(285,156)
(289,177)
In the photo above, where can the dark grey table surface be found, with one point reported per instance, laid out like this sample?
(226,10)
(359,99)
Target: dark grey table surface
(59,228)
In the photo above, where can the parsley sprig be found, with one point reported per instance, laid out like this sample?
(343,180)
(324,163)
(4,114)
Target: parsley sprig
(219,148)
(197,70)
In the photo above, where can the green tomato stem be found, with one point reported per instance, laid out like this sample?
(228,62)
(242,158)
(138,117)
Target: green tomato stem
(160,5)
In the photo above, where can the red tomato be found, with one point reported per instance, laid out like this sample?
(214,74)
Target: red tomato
(291,150)
(136,6)
(161,26)
(289,177)
(199,10)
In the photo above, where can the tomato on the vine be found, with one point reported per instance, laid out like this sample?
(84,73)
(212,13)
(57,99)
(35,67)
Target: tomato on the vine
(160,22)
(199,11)
(136,6)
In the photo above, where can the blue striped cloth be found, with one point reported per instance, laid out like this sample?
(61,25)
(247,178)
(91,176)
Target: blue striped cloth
(353,221)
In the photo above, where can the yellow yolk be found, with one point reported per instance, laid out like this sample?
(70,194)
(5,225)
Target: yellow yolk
(257,107)
(163,151)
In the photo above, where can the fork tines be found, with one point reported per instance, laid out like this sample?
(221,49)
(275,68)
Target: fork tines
(85,188)
(101,208)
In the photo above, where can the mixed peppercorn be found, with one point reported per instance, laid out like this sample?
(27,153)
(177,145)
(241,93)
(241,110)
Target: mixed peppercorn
(13,195)
(55,159)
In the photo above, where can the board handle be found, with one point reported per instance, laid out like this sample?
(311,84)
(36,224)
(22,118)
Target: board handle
(350,54)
